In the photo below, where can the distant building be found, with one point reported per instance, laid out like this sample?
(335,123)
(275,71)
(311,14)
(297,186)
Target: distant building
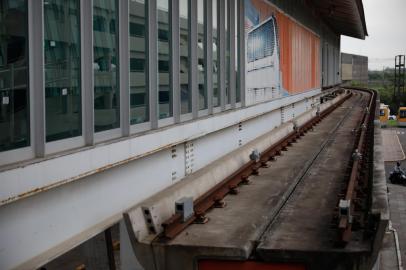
(354,68)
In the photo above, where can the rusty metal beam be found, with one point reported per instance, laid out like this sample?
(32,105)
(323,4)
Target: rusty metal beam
(359,164)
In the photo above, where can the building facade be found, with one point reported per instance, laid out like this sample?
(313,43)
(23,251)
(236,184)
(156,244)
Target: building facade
(97,94)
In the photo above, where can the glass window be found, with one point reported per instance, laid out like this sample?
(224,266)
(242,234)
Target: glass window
(99,23)
(62,69)
(139,98)
(163,35)
(105,66)
(201,41)
(165,91)
(402,114)
(261,41)
(14,92)
(186,95)
(137,65)
(163,66)
(136,29)
(112,26)
(216,93)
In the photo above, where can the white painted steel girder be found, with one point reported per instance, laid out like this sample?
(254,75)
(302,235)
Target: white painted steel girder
(72,197)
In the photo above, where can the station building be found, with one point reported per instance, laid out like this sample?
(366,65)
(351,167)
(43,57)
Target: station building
(104,103)
(354,68)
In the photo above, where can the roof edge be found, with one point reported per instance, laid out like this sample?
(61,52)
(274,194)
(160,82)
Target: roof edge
(361,12)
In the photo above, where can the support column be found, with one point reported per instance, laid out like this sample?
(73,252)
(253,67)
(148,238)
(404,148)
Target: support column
(127,257)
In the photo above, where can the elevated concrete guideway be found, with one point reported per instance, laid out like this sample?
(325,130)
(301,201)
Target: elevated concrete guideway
(306,224)
(286,214)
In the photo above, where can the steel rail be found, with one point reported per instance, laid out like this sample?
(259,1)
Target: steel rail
(359,164)
(213,198)
(331,136)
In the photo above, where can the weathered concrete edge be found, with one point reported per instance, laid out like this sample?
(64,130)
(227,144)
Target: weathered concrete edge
(380,206)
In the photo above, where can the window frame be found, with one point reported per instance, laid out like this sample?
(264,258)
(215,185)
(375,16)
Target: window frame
(174,52)
(27,152)
(123,99)
(146,125)
(77,141)
(206,53)
(39,148)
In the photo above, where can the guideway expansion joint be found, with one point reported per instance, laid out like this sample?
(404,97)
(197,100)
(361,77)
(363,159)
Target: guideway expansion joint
(174,225)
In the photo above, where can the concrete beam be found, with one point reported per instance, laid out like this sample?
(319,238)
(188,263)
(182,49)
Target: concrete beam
(380,204)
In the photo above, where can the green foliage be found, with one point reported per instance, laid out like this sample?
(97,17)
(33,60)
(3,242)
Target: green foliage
(383,82)
(358,84)
(392,123)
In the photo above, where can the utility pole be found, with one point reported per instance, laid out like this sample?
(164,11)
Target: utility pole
(399,85)
(383,76)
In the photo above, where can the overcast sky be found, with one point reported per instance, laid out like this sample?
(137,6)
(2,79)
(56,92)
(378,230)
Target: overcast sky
(386,24)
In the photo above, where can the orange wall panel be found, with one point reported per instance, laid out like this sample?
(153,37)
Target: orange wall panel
(299,56)
(299,48)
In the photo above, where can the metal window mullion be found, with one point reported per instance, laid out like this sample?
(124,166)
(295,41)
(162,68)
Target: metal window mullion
(208,53)
(124,70)
(231,32)
(37,74)
(152,62)
(193,76)
(222,55)
(87,70)
(175,59)
(338,74)
(241,50)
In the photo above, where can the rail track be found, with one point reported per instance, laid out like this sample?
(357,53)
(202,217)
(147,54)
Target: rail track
(357,184)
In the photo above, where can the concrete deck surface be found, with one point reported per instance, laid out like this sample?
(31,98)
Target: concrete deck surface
(242,229)
(305,223)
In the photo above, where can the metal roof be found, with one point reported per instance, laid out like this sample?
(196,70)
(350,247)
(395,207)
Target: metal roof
(345,17)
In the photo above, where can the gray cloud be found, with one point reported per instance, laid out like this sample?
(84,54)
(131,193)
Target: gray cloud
(386,23)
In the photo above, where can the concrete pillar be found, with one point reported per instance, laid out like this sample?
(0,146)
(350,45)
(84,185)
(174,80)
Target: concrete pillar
(127,256)
(93,253)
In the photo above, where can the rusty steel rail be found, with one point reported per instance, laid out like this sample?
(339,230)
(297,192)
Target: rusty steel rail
(360,169)
(214,197)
